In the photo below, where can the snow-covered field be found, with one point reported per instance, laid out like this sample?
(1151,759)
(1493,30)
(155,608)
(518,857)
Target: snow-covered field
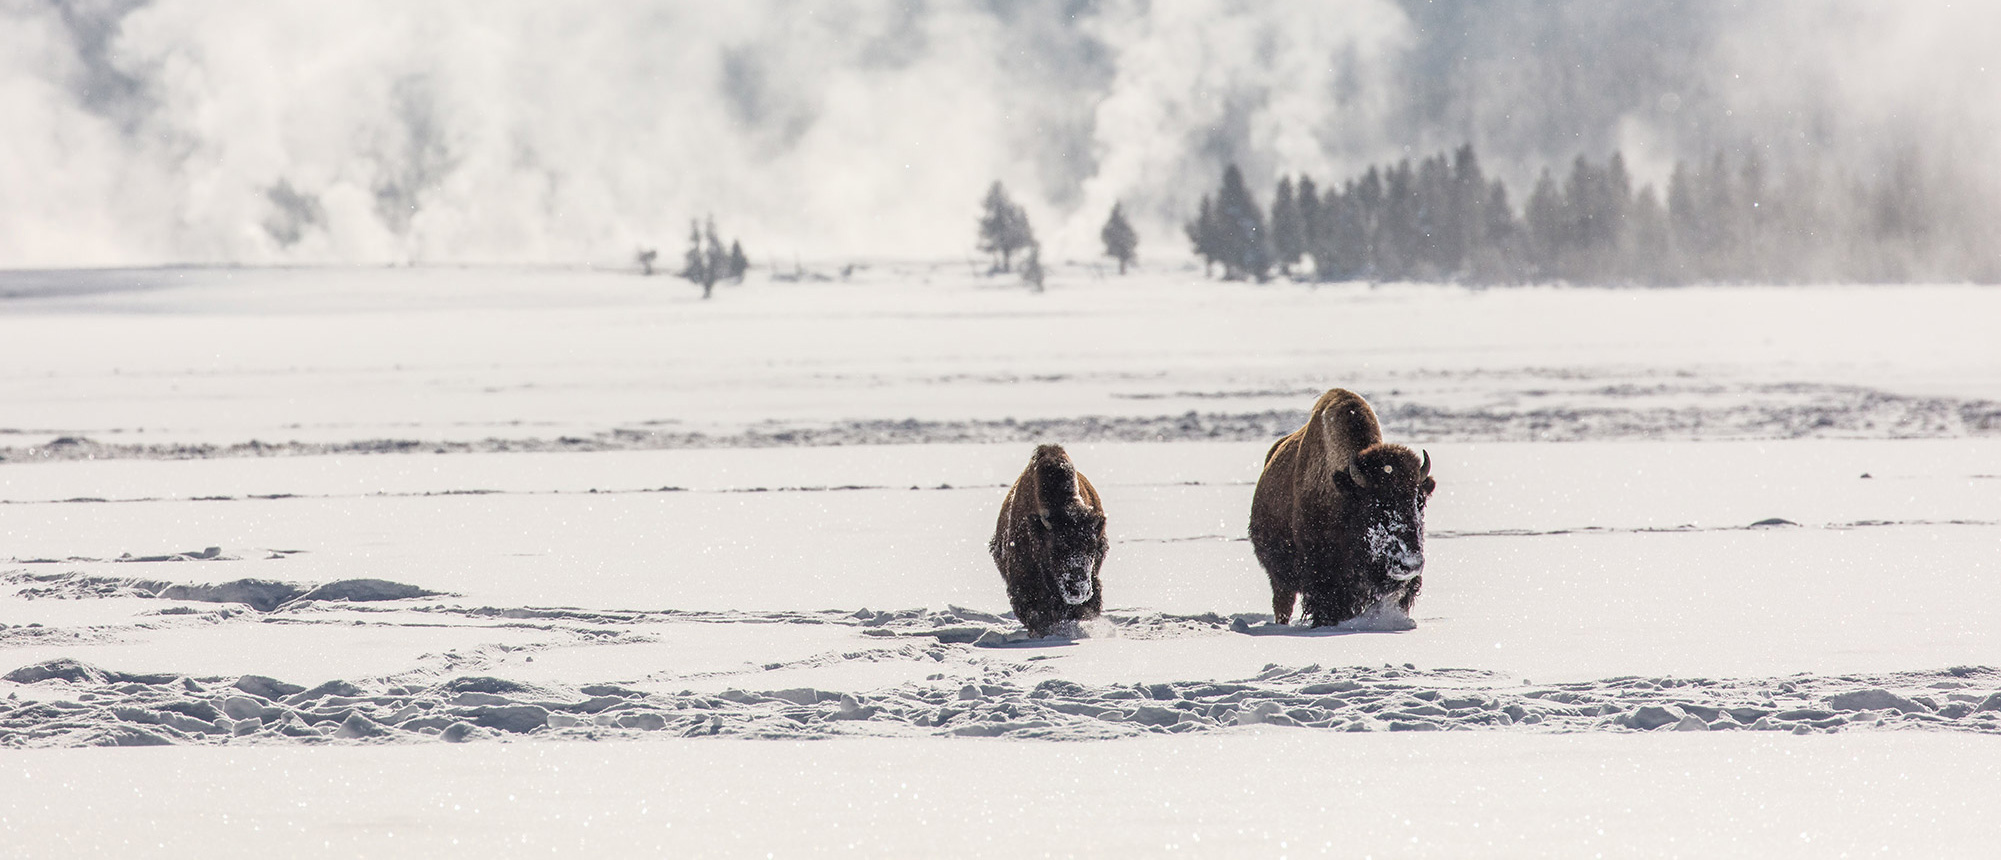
(1712,571)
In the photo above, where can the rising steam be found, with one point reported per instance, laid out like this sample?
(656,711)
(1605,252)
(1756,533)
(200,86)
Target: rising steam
(390,131)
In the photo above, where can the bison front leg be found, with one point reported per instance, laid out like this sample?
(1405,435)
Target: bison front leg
(1094,607)
(1282,600)
(1410,590)
(1037,615)
(1033,619)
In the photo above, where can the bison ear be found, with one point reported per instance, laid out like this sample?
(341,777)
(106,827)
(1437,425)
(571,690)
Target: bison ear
(1357,475)
(1345,481)
(1425,489)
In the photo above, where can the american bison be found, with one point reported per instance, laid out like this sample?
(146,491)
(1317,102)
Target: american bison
(1050,542)
(1338,516)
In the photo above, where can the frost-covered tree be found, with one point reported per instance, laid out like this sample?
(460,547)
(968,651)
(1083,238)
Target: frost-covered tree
(1652,258)
(1031,267)
(1120,240)
(1244,246)
(707,261)
(1433,256)
(645,259)
(1464,234)
(1288,232)
(1004,228)
(695,266)
(1546,223)
(1500,256)
(739,264)
(1311,222)
(1399,235)
(1204,235)
(718,257)
(1367,224)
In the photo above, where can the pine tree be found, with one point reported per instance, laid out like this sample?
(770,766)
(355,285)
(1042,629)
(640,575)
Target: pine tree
(1546,225)
(1463,234)
(1367,212)
(1500,257)
(718,264)
(696,267)
(1351,231)
(1288,234)
(1685,219)
(1344,248)
(1004,228)
(739,264)
(1595,204)
(1203,236)
(1119,238)
(1755,216)
(1619,192)
(1578,237)
(1722,221)
(1311,224)
(1651,258)
(1437,254)
(1031,267)
(1397,252)
(1245,247)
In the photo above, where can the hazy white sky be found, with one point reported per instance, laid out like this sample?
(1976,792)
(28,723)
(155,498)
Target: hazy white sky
(486,130)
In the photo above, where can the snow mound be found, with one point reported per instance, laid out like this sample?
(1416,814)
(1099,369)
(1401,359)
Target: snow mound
(263,595)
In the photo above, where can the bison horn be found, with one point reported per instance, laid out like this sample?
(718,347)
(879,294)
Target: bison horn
(1425,470)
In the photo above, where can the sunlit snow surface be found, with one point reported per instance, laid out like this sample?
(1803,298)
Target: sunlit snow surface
(1762,513)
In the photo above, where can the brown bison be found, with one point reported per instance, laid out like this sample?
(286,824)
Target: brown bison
(1338,516)
(1050,542)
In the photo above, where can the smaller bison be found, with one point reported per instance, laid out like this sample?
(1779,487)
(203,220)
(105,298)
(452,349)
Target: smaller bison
(1338,516)
(1050,542)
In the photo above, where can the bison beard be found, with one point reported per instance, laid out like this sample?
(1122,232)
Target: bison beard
(1050,542)
(1338,516)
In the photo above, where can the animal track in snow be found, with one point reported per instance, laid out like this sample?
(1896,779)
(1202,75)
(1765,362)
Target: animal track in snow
(90,706)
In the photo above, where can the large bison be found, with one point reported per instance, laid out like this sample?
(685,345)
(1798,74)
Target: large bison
(1050,542)
(1338,516)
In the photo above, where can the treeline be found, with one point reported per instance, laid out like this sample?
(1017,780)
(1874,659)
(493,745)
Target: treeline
(1442,219)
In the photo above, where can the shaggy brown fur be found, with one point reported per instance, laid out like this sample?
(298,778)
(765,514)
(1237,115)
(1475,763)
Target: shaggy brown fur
(1050,542)
(1338,516)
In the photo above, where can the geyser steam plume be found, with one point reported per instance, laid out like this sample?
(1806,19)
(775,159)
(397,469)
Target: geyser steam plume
(374,131)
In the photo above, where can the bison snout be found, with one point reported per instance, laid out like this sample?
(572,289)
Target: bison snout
(1391,543)
(1074,583)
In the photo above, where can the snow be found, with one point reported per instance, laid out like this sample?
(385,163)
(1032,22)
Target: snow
(1258,791)
(1725,509)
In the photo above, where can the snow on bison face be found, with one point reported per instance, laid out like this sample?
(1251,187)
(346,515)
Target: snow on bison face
(1075,545)
(1395,540)
(1389,487)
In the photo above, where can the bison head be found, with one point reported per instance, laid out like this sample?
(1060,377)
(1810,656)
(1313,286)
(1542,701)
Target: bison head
(1073,538)
(1387,487)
